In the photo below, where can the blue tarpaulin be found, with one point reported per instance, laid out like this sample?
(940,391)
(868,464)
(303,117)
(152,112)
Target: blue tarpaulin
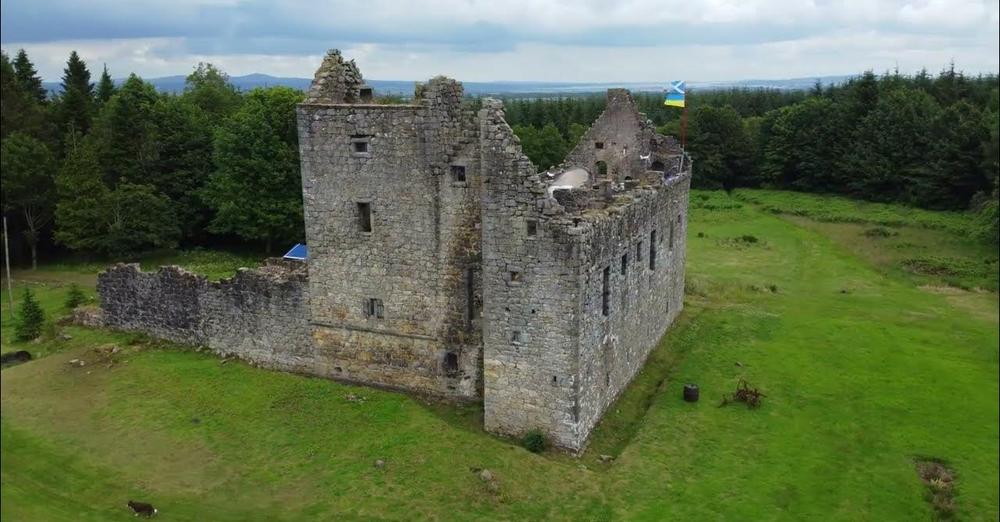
(298,252)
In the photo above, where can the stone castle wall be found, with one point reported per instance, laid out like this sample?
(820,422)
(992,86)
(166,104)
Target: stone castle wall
(417,261)
(560,342)
(259,315)
(643,298)
(530,293)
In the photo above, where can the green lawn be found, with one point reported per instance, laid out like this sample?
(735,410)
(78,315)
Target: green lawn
(867,366)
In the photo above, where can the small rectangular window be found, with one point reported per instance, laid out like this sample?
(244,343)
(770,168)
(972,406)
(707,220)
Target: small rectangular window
(638,252)
(365,216)
(458,173)
(532,227)
(598,144)
(515,337)
(670,244)
(652,250)
(625,263)
(451,364)
(606,292)
(373,308)
(515,277)
(360,147)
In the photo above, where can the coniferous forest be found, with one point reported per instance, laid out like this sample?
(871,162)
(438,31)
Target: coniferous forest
(104,169)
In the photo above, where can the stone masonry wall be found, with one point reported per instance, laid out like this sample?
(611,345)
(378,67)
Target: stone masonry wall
(643,299)
(530,290)
(561,339)
(257,315)
(419,257)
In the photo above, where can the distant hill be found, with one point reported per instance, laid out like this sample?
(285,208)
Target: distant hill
(176,84)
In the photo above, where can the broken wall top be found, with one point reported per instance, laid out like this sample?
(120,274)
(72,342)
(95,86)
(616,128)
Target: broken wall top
(336,81)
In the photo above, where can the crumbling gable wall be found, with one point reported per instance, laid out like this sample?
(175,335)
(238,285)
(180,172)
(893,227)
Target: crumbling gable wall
(616,139)
(621,142)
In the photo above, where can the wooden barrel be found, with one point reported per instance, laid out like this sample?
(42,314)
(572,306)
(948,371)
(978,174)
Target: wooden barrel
(691,392)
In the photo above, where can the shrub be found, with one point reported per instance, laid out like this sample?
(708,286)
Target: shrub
(534,441)
(30,318)
(75,297)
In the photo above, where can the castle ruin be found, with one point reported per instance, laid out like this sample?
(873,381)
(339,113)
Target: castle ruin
(442,262)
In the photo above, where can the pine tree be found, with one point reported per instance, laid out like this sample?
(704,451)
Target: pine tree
(82,197)
(27,77)
(74,297)
(125,133)
(19,112)
(105,87)
(30,318)
(77,103)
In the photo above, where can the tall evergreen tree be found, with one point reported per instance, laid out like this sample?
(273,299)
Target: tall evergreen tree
(12,96)
(82,197)
(105,87)
(184,160)
(77,102)
(19,111)
(125,133)
(27,77)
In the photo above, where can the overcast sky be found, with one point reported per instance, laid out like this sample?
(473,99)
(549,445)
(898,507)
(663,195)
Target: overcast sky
(484,40)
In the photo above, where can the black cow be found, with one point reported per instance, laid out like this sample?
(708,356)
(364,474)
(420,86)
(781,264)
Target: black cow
(142,508)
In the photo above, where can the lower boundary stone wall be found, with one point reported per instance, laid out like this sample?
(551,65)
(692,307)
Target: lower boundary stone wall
(259,315)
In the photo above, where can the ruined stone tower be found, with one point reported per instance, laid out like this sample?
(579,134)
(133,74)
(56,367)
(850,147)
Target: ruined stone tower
(391,197)
(441,261)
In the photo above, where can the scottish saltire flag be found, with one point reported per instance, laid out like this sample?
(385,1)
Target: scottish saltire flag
(675,94)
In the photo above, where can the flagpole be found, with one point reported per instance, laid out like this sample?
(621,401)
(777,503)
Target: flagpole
(684,119)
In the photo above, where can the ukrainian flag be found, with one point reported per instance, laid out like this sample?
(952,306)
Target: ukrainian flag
(675,94)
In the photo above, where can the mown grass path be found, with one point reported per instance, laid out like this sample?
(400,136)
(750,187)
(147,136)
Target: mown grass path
(864,372)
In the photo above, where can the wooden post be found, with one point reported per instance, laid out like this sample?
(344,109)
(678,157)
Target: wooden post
(6,256)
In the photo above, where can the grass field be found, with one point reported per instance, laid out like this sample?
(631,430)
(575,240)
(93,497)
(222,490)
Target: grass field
(868,365)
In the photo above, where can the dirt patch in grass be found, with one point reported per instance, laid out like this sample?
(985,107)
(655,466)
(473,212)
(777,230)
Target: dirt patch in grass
(880,232)
(744,241)
(940,482)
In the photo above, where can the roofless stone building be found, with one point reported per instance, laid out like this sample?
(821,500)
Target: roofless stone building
(441,261)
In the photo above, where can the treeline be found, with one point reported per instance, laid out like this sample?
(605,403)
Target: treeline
(921,140)
(105,169)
